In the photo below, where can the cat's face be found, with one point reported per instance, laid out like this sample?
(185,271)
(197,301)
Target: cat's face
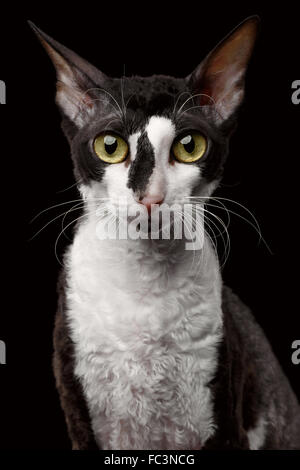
(151,140)
(163,151)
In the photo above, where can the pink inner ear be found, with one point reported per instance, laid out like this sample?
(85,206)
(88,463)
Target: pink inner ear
(75,103)
(74,77)
(220,76)
(87,101)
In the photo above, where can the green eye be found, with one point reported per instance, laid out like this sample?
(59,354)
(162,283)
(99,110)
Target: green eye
(110,148)
(190,148)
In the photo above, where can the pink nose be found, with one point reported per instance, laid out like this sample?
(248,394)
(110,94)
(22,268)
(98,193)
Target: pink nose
(149,200)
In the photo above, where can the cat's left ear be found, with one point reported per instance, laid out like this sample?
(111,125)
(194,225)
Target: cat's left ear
(76,79)
(219,79)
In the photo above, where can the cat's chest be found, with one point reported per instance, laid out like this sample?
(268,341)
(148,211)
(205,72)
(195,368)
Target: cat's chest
(141,351)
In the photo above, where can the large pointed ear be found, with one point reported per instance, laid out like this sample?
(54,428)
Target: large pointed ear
(219,79)
(76,79)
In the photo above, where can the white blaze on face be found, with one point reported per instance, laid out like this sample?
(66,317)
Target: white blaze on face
(132,142)
(175,180)
(161,133)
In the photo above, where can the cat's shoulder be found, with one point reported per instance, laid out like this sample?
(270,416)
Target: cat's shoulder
(242,326)
(237,314)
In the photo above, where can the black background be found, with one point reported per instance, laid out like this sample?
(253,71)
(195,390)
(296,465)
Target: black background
(262,173)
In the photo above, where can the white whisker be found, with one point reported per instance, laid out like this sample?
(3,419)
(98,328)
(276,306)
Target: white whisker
(63,204)
(192,97)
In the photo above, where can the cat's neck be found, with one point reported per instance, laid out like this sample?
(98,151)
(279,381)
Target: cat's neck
(135,266)
(156,283)
(165,252)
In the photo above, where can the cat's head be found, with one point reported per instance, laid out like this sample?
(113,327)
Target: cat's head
(154,139)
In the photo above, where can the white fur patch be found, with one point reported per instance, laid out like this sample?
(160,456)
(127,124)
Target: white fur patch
(161,133)
(257,435)
(146,331)
(132,141)
(173,181)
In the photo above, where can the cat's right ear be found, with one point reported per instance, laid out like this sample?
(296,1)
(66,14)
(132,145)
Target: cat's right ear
(76,79)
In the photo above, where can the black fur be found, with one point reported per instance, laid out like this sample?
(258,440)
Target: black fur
(69,388)
(142,167)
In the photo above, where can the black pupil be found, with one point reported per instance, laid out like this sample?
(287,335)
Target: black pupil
(188,144)
(110,144)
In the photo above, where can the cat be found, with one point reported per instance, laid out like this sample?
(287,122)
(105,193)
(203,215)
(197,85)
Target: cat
(151,350)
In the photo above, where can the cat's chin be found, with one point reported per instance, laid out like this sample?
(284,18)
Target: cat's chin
(159,230)
(152,228)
